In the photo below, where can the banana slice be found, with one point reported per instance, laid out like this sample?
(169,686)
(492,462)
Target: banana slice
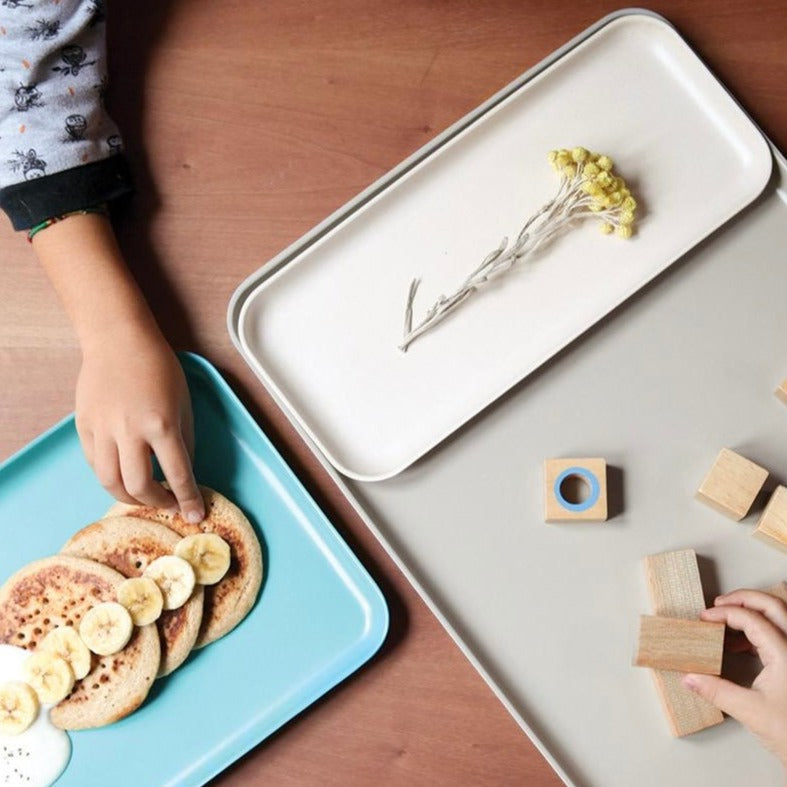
(64,641)
(208,554)
(175,578)
(50,676)
(142,598)
(18,707)
(106,628)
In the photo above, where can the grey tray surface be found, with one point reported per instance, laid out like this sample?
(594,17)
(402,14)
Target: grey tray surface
(548,613)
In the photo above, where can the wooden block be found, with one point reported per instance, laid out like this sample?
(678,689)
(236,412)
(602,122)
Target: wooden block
(560,504)
(676,591)
(772,527)
(732,484)
(680,645)
(781,391)
(779,590)
(674,584)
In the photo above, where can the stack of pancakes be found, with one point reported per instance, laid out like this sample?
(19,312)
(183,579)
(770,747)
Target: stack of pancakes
(59,590)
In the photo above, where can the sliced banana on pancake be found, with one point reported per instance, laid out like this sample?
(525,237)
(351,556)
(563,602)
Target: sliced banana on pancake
(142,597)
(18,707)
(175,578)
(208,554)
(231,598)
(50,676)
(64,641)
(106,628)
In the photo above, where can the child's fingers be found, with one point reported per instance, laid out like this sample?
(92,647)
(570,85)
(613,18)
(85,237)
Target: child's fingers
(136,469)
(736,701)
(176,465)
(764,635)
(736,642)
(86,438)
(187,431)
(773,608)
(106,465)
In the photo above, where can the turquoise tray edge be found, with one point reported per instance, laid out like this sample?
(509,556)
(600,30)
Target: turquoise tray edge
(319,617)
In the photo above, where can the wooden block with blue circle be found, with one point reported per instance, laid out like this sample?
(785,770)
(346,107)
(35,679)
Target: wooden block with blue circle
(575,490)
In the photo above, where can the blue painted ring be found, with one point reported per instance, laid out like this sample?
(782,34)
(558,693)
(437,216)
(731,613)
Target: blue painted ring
(592,480)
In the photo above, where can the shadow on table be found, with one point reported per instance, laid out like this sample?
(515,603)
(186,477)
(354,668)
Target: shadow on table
(134,30)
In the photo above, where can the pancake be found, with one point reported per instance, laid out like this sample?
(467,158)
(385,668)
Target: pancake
(129,546)
(229,601)
(57,591)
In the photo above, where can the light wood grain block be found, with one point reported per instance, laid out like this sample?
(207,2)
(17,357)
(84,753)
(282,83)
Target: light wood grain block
(675,590)
(559,474)
(779,590)
(680,645)
(732,484)
(781,391)
(674,584)
(772,527)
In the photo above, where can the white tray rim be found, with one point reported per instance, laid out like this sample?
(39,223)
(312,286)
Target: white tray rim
(246,290)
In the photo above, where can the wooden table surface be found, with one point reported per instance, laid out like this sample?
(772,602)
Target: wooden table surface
(247,123)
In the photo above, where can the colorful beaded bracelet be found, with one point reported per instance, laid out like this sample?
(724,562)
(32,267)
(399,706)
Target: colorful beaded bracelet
(101,209)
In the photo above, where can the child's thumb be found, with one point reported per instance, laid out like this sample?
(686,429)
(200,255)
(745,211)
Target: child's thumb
(728,697)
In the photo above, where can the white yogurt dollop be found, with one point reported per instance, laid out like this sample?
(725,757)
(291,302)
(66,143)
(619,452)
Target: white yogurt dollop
(36,757)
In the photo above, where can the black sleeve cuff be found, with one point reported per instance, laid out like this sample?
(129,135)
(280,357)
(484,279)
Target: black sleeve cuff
(33,201)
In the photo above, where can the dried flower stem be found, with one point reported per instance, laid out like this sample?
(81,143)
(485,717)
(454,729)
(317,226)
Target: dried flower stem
(580,195)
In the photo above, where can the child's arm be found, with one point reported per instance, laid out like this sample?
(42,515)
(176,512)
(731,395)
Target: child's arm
(61,153)
(763,708)
(131,396)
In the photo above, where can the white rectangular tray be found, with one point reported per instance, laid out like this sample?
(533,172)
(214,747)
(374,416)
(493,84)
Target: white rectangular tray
(548,613)
(324,331)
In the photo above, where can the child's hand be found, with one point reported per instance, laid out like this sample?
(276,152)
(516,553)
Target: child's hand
(131,400)
(763,708)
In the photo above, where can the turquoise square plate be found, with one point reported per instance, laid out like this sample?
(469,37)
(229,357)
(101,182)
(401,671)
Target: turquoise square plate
(318,618)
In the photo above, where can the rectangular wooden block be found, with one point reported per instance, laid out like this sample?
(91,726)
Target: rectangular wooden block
(732,484)
(676,591)
(674,584)
(680,645)
(560,505)
(772,527)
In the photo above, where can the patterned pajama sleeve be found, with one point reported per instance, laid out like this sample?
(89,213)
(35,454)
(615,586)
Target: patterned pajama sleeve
(59,149)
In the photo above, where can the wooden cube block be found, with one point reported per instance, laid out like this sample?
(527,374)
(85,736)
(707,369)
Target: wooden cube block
(732,484)
(676,591)
(772,527)
(781,391)
(680,645)
(779,590)
(563,506)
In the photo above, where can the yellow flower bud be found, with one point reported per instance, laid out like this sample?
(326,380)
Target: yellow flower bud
(579,155)
(629,203)
(591,168)
(603,179)
(604,162)
(569,170)
(624,231)
(606,228)
(615,198)
(626,218)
